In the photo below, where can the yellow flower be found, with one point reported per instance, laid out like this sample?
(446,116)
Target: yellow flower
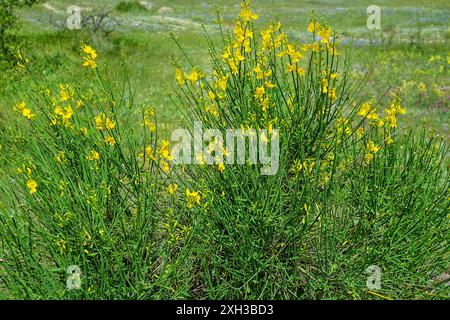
(259,92)
(332,94)
(212,109)
(223,83)
(32,186)
(360,132)
(373,115)
(233,67)
(300,71)
(109,124)
(211,95)
(64,93)
(267,37)
(372,147)
(65,114)
(280,39)
(365,109)
(297,166)
(25,169)
(164,151)
(200,158)
(368,157)
(313,26)
(89,51)
(84,131)
(259,72)
(165,166)
(28,114)
(294,54)
(391,120)
(102,122)
(422,87)
(172,188)
(315,47)
(389,140)
(21,61)
(150,113)
(239,56)
(193,198)
(179,77)
(193,77)
(61,244)
(22,109)
(93,156)
(99,122)
(221,167)
(226,54)
(294,69)
(379,123)
(225,152)
(325,34)
(324,85)
(148,152)
(265,104)
(60,157)
(68,112)
(396,108)
(89,63)
(110,140)
(246,13)
(269,85)
(263,138)
(90,56)
(392,112)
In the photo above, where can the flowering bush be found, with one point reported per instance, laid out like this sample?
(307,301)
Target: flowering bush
(349,180)
(97,188)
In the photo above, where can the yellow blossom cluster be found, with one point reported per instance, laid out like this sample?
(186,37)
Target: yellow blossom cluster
(23,110)
(102,122)
(90,56)
(27,170)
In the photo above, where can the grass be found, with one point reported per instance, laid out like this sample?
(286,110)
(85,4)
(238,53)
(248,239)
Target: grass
(127,6)
(146,44)
(145,47)
(389,217)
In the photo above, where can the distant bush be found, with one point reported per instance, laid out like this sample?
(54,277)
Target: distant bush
(127,6)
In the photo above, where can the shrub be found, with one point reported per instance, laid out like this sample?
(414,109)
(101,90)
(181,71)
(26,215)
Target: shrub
(89,184)
(8,22)
(352,189)
(127,6)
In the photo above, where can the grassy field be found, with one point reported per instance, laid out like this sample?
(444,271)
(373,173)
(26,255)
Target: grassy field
(399,58)
(408,59)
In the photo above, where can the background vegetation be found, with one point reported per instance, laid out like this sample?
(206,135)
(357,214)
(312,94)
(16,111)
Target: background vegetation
(129,246)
